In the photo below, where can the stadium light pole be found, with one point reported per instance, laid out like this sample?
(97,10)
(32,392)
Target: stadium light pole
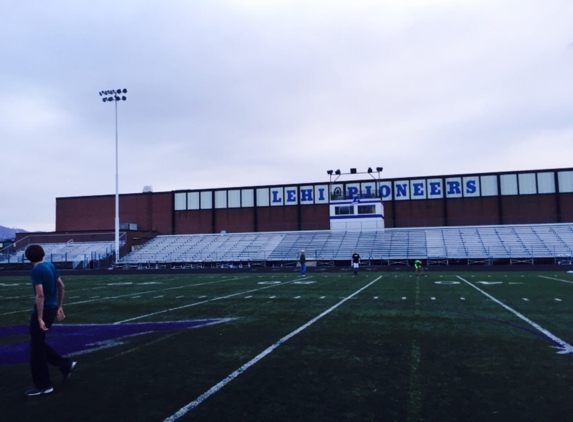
(115,95)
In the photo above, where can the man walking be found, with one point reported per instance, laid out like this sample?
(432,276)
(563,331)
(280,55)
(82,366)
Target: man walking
(49,292)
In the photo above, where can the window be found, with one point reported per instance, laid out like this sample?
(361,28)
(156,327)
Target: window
(206,200)
(366,209)
(234,198)
(221,199)
(180,201)
(344,210)
(546,182)
(193,201)
(527,184)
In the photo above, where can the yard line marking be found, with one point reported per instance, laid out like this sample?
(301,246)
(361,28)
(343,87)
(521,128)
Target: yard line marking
(375,297)
(120,296)
(556,279)
(404,298)
(179,297)
(433,298)
(202,297)
(462,298)
(526,299)
(272,297)
(157,297)
(415,395)
(564,346)
(198,303)
(297,297)
(322,297)
(558,300)
(181,412)
(248,297)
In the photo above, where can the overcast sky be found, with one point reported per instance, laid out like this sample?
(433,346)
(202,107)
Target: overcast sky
(252,92)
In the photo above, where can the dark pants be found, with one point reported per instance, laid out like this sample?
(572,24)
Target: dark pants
(41,353)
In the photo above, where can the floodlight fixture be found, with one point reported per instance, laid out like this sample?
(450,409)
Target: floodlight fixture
(379,169)
(337,172)
(369,169)
(329,172)
(352,171)
(113,95)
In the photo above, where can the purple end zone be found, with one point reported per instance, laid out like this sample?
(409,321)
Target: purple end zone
(78,339)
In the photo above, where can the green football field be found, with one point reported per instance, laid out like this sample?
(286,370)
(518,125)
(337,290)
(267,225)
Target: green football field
(270,347)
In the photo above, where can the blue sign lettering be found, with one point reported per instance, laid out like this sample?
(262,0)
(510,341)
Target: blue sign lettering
(454,188)
(401,190)
(352,191)
(291,195)
(306,195)
(471,186)
(435,188)
(276,198)
(321,194)
(418,189)
(385,191)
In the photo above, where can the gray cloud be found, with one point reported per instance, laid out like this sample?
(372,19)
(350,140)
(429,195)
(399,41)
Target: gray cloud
(230,93)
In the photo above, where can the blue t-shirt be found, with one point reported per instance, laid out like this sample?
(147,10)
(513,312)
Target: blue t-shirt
(46,275)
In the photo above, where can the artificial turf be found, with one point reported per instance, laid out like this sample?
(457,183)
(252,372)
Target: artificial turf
(404,348)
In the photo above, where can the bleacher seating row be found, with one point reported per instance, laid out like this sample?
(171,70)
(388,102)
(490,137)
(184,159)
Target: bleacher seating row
(475,244)
(516,243)
(76,252)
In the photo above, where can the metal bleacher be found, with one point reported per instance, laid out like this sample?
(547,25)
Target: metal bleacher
(396,246)
(438,245)
(77,253)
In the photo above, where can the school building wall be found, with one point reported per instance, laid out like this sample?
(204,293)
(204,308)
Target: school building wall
(531,197)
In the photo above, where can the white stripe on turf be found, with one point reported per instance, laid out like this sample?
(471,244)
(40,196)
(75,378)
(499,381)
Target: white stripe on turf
(199,303)
(556,279)
(564,346)
(181,412)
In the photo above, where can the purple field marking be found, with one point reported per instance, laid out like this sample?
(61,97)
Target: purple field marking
(72,340)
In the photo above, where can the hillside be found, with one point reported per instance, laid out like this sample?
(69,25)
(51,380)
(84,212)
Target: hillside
(7,233)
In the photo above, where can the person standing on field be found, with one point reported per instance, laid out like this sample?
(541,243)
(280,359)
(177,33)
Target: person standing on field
(419,268)
(355,262)
(49,292)
(302,261)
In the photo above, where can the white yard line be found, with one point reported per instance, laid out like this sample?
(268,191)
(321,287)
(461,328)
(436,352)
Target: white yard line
(556,279)
(181,412)
(564,346)
(120,296)
(200,303)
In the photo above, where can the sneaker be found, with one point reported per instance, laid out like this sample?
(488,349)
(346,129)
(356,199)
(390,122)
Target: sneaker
(37,391)
(68,373)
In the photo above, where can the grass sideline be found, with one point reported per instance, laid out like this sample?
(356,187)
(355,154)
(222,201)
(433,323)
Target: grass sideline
(405,348)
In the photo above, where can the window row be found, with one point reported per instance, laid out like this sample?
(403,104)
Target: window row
(528,183)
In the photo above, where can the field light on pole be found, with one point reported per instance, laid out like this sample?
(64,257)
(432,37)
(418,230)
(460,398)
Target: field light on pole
(115,95)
